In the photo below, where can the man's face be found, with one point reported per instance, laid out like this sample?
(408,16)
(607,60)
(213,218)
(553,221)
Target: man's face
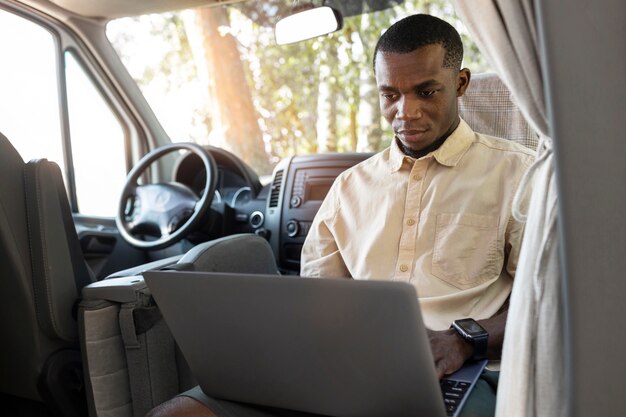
(418,96)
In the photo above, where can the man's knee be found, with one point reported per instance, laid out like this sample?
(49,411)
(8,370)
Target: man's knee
(181,407)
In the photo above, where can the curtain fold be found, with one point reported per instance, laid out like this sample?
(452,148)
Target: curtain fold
(532,380)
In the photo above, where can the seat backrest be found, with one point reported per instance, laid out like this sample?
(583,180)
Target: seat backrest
(488,107)
(21,337)
(38,288)
(131,361)
(58,267)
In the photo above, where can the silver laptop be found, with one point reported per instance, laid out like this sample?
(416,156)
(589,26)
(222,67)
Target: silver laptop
(335,347)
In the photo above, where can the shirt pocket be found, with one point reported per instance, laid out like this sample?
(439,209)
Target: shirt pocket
(466,250)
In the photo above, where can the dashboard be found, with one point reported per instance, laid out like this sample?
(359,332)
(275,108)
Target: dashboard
(236,182)
(299,186)
(281,211)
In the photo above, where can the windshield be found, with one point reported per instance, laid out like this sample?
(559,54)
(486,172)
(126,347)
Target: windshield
(215,76)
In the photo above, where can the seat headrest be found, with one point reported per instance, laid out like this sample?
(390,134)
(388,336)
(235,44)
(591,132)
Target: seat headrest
(488,108)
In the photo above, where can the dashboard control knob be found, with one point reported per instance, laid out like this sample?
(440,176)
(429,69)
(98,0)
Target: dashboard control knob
(256,219)
(292,228)
(296,201)
(263,232)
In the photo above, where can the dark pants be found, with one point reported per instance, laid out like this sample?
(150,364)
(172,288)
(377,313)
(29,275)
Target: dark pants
(482,399)
(480,403)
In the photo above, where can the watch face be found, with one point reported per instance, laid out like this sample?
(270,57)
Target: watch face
(470,326)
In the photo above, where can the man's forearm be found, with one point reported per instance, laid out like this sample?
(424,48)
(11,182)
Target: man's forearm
(450,350)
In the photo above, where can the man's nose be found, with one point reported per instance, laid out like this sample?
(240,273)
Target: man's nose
(408,108)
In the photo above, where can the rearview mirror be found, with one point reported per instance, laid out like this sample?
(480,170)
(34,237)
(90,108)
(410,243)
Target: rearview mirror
(307,24)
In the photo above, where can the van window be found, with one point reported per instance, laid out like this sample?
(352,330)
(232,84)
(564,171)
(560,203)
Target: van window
(98,150)
(30,114)
(29,103)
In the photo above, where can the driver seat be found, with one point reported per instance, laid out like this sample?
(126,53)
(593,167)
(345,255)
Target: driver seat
(41,274)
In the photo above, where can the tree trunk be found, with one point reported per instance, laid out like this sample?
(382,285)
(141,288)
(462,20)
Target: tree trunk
(234,118)
(353,132)
(368,118)
(355,55)
(327,135)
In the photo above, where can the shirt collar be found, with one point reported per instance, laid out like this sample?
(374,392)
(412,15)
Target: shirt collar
(448,154)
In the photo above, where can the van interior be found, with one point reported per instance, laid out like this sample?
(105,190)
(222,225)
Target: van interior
(203,135)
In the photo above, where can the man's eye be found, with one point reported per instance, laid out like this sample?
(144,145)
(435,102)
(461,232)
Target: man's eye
(427,93)
(387,96)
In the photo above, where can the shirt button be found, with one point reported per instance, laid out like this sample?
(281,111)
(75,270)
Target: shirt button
(410,222)
(416,177)
(403,268)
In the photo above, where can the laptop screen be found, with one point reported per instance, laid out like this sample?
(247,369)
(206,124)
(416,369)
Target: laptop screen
(327,346)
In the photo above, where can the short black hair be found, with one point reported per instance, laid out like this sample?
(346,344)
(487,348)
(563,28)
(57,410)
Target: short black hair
(419,30)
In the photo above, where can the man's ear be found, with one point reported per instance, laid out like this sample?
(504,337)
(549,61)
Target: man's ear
(462,81)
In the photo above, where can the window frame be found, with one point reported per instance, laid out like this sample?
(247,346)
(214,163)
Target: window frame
(66,40)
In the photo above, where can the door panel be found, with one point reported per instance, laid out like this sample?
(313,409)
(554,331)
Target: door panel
(104,249)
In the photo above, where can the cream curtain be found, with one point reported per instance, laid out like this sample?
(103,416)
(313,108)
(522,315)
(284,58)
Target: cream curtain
(532,380)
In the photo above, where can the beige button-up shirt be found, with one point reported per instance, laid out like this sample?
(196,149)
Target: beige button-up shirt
(442,223)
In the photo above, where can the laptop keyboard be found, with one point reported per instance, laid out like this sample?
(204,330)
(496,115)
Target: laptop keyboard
(453,394)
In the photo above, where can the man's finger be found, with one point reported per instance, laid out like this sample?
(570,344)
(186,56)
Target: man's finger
(440,368)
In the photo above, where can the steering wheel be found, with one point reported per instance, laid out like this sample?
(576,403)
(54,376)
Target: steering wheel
(167,210)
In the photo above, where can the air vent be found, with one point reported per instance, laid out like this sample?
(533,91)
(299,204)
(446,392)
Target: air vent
(275,192)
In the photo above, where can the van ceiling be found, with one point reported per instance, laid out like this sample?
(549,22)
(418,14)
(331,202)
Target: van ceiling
(111,9)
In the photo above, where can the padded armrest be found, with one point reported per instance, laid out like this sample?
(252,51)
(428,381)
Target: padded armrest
(120,290)
(137,270)
(244,253)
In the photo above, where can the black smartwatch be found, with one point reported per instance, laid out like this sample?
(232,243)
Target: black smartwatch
(473,332)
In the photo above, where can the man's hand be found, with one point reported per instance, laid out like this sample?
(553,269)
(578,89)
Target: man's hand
(450,351)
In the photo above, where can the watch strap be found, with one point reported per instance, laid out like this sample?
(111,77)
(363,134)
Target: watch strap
(480,346)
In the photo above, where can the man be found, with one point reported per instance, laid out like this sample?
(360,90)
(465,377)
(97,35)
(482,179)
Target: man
(433,210)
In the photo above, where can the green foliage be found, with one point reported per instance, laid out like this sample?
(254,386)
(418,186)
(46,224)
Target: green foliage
(174,64)
(285,81)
